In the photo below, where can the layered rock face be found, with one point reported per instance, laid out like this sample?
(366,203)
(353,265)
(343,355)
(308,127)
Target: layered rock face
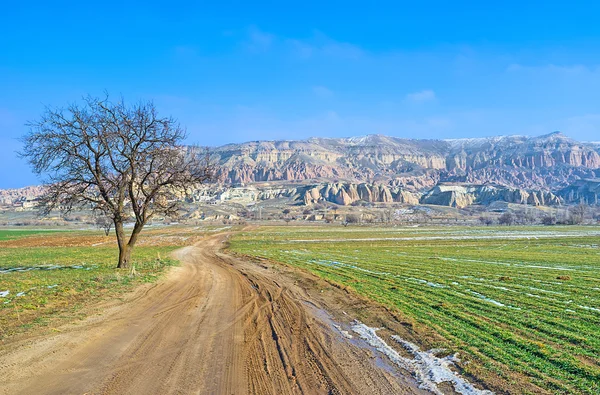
(543,170)
(582,191)
(546,151)
(459,196)
(346,194)
(462,196)
(11,196)
(546,162)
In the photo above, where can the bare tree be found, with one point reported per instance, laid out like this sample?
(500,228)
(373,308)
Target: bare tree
(351,219)
(506,219)
(123,161)
(549,220)
(577,214)
(104,223)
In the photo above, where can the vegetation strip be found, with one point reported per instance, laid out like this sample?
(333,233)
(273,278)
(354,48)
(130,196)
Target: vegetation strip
(524,310)
(49,277)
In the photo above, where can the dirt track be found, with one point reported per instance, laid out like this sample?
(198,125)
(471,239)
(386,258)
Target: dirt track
(215,325)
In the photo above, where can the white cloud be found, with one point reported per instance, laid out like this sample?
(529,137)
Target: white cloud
(322,91)
(421,96)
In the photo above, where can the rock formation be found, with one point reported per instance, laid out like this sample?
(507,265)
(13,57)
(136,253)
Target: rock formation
(465,195)
(583,191)
(546,162)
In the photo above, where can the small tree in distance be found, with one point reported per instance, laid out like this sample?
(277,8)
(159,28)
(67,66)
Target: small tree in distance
(124,162)
(506,219)
(104,223)
(351,219)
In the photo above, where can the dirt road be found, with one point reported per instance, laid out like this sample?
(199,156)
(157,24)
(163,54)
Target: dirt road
(215,325)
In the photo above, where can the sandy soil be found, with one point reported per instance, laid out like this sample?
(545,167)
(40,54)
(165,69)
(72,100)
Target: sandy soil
(215,325)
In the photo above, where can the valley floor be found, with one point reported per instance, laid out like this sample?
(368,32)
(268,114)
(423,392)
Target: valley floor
(217,324)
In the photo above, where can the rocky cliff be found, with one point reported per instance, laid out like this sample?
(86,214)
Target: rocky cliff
(346,194)
(551,161)
(582,191)
(12,196)
(465,195)
(544,170)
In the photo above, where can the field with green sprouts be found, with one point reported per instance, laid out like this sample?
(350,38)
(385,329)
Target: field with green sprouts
(520,304)
(50,277)
(17,233)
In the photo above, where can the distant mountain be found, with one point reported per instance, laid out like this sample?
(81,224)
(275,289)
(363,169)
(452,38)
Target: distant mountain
(545,170)
(548,162)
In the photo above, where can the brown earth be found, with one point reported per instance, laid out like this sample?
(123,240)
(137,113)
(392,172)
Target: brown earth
(217,324)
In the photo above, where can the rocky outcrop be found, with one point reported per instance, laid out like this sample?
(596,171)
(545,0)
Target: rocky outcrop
(583,191)
(465,195)
(527,170)
(346,194)
(10,197)
(546,162)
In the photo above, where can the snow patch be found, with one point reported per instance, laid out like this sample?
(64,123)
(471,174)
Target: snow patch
(344,333)
(427,369)
(52,267)
(4,294)
(483,297)
(428,283)
(589,308)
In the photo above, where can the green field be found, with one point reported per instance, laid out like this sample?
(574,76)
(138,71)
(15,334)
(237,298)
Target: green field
(521,304)
(17,233)
(45,276)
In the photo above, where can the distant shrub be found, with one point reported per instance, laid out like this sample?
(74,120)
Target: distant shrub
(506,219)
(505,278)
(566,278)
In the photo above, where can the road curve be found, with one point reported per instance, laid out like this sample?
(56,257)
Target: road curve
(215,325)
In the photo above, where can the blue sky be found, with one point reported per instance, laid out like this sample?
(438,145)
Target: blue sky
(239,71)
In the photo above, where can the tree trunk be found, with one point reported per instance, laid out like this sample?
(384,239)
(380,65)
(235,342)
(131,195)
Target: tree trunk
(124,256)
(124,250)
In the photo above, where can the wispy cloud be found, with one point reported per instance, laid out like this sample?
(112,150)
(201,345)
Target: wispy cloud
(423,96)
(552,68)
(321,44)
(322,91)
(258,40)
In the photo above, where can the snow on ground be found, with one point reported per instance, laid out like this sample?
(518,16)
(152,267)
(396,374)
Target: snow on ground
(507,236)
(53,267)
(426,368)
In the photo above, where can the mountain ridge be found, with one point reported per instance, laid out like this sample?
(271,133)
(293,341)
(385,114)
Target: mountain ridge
(550,169)
(551,161)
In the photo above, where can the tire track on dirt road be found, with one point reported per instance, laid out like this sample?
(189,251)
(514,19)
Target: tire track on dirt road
(215,325)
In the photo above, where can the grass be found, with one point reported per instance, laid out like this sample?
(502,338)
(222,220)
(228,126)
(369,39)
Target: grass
(521,304)
(72,270)
(15,234)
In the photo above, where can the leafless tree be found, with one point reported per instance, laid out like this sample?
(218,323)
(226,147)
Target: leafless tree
(506,219)
(351,219)
(123,161)
(577,214)
(549,220)
(104,223)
